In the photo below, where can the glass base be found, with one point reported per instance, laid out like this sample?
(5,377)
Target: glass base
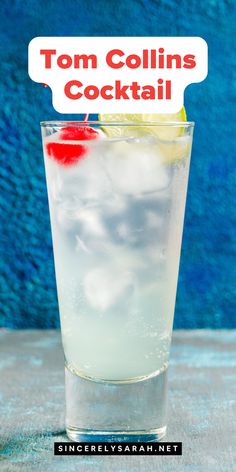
(115,436)
(115,412)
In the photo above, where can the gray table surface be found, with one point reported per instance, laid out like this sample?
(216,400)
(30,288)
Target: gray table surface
(202,397)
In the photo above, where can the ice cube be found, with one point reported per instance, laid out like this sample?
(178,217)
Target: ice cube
(115,204)
(105,286)
(123,230)
(136,169)
(56,187)
(81,245)
(83,182)
(92,182)
(64,219)
(153,220)
(91,222)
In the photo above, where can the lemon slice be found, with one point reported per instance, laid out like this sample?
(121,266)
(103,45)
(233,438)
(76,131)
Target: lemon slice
(171,140)
(162,132)
(180,116)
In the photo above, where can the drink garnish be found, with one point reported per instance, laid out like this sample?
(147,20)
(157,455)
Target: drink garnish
(170,138)
(70,153)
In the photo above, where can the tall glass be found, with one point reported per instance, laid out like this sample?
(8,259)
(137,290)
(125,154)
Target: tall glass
(117,196)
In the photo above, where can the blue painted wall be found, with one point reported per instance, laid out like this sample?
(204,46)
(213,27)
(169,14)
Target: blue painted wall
(206,291)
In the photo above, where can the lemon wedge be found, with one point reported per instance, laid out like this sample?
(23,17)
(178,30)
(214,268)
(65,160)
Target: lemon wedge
(171,140)
(163,132)
(180,116)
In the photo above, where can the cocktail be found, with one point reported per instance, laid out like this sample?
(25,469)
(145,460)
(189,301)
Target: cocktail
(117,194)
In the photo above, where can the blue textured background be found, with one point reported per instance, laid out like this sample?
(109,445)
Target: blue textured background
(206,291)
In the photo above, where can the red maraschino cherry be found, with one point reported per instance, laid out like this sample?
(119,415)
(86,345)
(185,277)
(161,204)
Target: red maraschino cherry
(70,153)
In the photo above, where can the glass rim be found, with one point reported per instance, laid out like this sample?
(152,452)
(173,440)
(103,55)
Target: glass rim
(185,124)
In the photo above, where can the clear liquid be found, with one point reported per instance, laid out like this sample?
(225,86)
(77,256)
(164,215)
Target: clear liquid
(98,411)
(117,218)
